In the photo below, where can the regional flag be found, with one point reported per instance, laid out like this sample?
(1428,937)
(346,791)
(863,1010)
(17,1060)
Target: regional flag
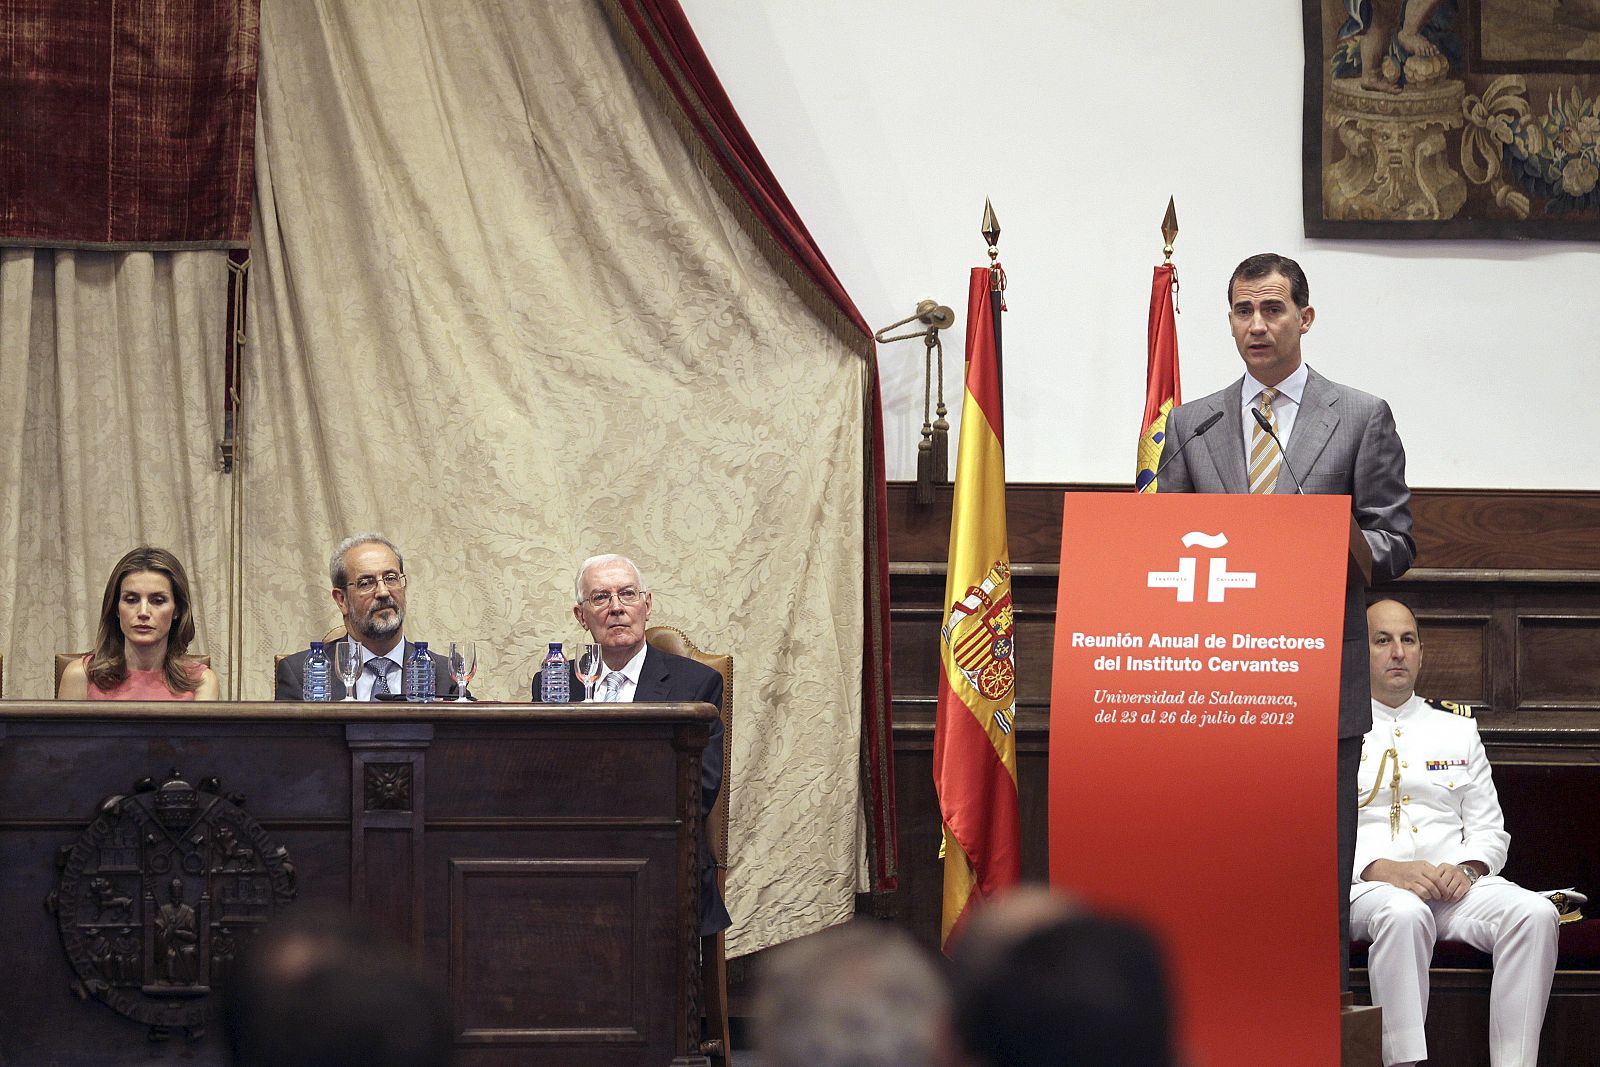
(974,746)
(1161,392)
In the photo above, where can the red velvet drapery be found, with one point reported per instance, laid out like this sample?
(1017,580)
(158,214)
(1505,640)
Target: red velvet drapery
(664,35)
(127,125)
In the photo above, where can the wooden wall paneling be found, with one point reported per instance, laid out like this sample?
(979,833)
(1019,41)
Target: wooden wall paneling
(1471,529)
(1501,648)
(1557,663)
(1507,528)
(1457,663)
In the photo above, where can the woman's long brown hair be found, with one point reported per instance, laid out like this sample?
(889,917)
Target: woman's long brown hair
(108,666)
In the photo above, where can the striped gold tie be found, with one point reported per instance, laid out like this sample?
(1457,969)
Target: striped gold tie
(1265,459)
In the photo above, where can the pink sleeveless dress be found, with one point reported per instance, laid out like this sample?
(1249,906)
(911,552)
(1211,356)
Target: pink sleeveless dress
(142,685)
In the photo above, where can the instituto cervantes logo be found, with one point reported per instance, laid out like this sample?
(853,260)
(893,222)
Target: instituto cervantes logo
(1219,579)
(978,633)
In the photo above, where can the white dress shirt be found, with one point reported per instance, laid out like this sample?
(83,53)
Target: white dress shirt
(630,672)
(1284,406)
(366,680)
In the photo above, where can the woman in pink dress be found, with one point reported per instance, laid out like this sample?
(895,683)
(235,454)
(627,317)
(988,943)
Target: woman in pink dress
(146,624)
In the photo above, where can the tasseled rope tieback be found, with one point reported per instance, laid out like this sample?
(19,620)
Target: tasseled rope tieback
(933,451)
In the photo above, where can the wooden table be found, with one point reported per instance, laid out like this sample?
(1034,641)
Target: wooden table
(542,862)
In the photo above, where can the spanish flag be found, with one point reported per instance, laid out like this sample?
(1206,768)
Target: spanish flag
(1161,392)
(974,746)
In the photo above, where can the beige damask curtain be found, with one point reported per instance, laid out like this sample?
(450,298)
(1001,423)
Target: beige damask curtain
(110,393)
(498,312)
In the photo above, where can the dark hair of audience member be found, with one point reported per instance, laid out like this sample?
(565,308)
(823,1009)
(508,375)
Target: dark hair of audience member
(1085,990)
(319,989)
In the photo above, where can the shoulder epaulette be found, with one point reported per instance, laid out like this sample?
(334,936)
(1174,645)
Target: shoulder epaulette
(1451,706)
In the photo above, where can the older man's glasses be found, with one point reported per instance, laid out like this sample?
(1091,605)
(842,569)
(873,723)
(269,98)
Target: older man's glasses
(625,597)
(367,582)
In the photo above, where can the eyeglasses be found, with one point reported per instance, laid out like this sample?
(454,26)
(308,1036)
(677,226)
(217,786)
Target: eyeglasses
(367,583)
(625,597)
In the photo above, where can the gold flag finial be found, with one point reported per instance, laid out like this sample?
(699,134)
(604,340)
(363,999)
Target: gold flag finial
(1169,228)
(991,230)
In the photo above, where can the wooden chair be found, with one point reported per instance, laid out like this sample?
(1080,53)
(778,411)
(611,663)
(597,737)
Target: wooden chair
(336,633)
(65,660)
(713,948)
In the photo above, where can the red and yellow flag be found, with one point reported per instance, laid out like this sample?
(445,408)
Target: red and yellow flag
(974,747)
(1161,392)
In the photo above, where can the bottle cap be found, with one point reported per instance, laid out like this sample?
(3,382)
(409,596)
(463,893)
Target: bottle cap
(317,646)
(421,646)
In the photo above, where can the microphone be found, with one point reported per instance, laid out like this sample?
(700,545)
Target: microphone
(1261,421)
(1205,424)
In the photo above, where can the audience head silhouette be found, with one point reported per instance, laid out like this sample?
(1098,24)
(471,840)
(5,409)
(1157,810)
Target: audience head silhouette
(859,995)
(317,989)
(1042,983)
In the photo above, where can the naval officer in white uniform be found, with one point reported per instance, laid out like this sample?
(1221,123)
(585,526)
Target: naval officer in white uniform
(1430,843)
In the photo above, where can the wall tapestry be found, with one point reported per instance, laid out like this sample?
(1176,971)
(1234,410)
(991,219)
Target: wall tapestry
(1452,118)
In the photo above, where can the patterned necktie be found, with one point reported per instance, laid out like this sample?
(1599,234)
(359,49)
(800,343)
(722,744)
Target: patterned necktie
(611,688)
(1265,459)
(379,666)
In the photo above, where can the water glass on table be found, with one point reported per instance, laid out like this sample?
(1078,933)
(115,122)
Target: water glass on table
(463,665)
(347,659)
(587,667)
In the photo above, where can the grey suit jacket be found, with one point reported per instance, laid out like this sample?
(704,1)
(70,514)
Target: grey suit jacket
(1344,442)
(292,670)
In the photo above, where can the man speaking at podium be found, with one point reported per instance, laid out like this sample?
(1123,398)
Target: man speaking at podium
(1284,428)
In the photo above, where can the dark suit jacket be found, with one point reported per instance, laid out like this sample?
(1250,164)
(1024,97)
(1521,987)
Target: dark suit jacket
(673,679)
(1344,442)
(292,672)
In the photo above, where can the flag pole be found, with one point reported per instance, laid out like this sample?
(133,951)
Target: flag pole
(1162,391)
(974,742)
(997,288)
(1169,229)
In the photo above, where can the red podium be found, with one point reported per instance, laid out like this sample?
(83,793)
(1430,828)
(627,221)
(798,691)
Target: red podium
(1193,724)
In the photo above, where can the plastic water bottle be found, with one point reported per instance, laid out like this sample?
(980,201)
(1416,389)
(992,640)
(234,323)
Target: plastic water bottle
(419,675)
(314,681)
(553,680)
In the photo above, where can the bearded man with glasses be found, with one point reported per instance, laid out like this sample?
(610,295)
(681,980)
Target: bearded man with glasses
(369,587)
(614,605)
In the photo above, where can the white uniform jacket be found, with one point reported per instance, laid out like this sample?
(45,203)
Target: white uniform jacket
(1448,809)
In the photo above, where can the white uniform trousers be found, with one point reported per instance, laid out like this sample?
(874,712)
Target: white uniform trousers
(1517,927)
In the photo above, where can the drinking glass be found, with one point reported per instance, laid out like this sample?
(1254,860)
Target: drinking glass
(587,668)
(347,658)
(463,665)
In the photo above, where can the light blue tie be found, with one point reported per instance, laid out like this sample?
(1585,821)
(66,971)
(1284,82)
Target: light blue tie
(611,688)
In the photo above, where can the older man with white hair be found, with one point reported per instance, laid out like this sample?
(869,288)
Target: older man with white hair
(613,605)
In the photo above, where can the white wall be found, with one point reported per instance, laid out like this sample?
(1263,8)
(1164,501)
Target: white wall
(889,121)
